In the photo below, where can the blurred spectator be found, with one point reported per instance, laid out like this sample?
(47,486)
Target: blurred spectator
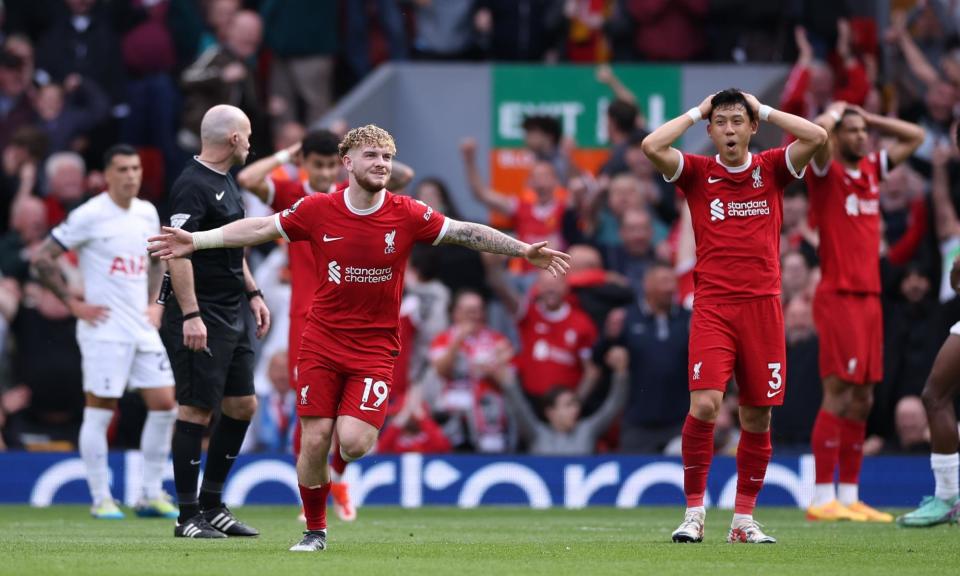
(66,113)
(520,30)
(586,41)
(302,35)
(911,341)
(946,223)
(656,332)
(913,432)
(66,185)
(20,46)
(658,194)
(542,135)
(16,109)
(444,30)
(28,227)
(626,192)
(198,25)
(473,411)
(360,15)
(796,233)
(621,124)
(795,419)
(425,305)
(556,335)
(457,267)
(537,212)
(564,433)
(19,176)
(83,40)
(795,278)
(224,75)
(272,276)
(659,24)
(904,212)
(597,290)
(412,429)
(635,253)
(276,417)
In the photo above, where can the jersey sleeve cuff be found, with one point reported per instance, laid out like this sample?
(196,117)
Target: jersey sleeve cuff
(676,174)
(786,154)
(443,231)
(59,241)
(818,171)
(276,222)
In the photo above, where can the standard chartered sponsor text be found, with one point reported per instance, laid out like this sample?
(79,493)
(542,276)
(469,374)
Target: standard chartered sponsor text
(751,208)
(368,275)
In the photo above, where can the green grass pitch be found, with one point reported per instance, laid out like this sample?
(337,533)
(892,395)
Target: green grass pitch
(489,541)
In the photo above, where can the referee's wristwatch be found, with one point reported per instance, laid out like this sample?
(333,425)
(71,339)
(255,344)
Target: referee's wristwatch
(254,293)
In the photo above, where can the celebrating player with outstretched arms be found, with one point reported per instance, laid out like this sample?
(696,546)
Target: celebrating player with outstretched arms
(362,237)
(735,201)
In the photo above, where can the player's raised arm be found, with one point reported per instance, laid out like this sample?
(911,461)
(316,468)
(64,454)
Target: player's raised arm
(658,145)
(828,121)
(177,243)
(810,137)
(254,177)
(908,136)
(486,239)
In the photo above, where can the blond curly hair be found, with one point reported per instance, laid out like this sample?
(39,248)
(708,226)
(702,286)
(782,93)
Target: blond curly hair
(369,135)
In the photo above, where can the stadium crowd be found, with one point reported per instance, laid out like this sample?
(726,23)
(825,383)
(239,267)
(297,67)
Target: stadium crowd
(77,76)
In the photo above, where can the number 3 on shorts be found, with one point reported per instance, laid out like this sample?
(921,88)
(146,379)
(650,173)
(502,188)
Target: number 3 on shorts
(777,381)
(379,389)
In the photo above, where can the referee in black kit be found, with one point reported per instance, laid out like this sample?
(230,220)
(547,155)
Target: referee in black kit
(203,329)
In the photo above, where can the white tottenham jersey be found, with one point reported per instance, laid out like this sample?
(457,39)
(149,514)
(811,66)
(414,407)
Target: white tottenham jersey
(112,247)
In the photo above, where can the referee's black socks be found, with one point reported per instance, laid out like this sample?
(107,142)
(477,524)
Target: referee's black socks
(223,450)
(187,445)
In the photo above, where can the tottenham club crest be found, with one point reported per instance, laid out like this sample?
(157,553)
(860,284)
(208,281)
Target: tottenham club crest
(388,238)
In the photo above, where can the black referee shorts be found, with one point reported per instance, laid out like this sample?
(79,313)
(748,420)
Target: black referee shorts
(202,381)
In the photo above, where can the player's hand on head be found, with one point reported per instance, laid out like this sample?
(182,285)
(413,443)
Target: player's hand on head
(753,102)
(195,334)
(706,106)
(553,260)
(838,107)
(172,243)
(88,312)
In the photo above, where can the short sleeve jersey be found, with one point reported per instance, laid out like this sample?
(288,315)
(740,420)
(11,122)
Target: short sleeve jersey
(845,207)
(110,243)
(361,256)
(204,199)
(737,215)
(554,346)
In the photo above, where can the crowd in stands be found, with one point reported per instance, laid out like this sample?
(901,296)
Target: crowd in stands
(499,358)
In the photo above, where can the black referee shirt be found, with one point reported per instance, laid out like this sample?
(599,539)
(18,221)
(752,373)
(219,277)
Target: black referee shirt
(204,199)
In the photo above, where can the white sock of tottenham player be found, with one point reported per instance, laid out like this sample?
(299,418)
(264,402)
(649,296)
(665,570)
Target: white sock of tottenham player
(946,468)
(93,451)
(155,446)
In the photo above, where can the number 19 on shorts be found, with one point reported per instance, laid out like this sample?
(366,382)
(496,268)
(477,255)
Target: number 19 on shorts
(379,389)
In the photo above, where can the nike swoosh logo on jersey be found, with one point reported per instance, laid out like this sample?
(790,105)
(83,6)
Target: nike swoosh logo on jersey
(229,457)
(752,479)
(772,393)
(195,462)
(331,238)
(712,180)
(366,408)
(220,195)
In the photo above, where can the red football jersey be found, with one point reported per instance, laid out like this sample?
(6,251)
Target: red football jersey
(554,346)
(737,214)
(845,206)
(304,280)
(360,258)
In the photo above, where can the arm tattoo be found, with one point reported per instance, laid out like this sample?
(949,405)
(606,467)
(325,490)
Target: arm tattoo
(48,271)
(482,238)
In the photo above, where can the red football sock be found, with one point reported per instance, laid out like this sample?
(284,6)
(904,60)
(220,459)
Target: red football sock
(753,455)
(697,450)
(825,442)
(852,434)
(337,463)
(315,505)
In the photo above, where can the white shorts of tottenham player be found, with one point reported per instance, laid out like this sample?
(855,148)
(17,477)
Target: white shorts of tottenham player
(109,368)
